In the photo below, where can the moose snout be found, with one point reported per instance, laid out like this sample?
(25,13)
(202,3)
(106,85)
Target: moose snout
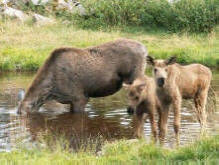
(130,110)
(160,81)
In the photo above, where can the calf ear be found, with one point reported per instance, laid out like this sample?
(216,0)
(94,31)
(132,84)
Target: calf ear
(171,60)
(126,86)
(150,60)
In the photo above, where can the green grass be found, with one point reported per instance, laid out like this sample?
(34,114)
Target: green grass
(25,47)
(205,151)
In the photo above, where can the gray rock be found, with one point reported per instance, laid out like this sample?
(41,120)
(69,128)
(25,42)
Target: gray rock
(15,13)
(72,6)
(39,19)
(40,2)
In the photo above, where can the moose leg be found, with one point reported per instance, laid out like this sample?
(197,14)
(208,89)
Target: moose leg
(153,124)
(163,117)
(200,102)
(78,104)
(140,120)
(72,107)
(177,117)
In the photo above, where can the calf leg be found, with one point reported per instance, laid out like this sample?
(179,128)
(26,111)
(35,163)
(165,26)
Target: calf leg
(177,117)
(140,120)
(200,102)
(163,117)
(153,124)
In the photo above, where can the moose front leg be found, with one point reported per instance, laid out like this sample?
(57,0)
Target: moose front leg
(153,125)
(78,104)
(163,118)
(140,120)
(177,117)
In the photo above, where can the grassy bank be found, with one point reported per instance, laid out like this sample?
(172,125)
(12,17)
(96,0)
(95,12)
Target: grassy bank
(27,46)
(205,151)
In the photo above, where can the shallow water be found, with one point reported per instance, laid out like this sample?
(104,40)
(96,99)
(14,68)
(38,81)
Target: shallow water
(104,118)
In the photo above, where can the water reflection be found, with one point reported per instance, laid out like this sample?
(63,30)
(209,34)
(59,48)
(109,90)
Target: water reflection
(104,117)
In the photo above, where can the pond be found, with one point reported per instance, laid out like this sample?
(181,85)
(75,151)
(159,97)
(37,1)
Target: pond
(103,119)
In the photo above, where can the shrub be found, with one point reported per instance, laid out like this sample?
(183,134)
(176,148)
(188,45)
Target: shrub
(181,15)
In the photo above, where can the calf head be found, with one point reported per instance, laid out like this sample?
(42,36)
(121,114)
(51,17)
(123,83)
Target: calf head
(134,95)
(160,69)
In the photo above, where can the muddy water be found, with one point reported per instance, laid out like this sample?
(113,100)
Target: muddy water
(104,118)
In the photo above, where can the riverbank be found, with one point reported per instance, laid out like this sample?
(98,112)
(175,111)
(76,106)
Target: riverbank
(26,47)
(120,152)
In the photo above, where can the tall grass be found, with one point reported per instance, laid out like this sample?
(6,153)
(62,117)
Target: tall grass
(205,151)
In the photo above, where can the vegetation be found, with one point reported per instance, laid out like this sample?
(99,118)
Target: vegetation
(27,46)
(151,22)
(182,15)
(205,151)
(175,15)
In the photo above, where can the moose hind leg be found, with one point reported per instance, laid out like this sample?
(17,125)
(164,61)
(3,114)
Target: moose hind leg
(177,117)
(200,102)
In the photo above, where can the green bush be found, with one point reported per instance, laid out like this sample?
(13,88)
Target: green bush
(195,15)
(178,15)
(181,15)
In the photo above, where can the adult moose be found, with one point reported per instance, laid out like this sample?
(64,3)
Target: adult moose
(71,75)
(175,82)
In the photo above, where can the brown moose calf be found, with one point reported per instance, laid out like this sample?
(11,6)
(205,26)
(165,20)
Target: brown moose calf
(174,82)
(72,76)
(144,102)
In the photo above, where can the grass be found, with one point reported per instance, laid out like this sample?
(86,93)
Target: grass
(27,46)
(205,151)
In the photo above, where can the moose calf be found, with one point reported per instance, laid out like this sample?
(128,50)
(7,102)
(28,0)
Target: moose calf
(174,82)
(144,102)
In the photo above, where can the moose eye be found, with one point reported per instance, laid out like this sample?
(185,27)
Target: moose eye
(136,98)
(155,70)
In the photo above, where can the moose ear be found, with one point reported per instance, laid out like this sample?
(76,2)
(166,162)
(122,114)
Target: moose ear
(171,60)
(150,60)
(141,87)
(126,86)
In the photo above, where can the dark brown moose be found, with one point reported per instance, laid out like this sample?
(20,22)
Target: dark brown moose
(72,75)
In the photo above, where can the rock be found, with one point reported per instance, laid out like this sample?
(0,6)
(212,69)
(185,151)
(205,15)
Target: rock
(6,1)
(72,6)
(39,19)
(64,5)
(12,3)
(40,2)
(80,8)
(11,12)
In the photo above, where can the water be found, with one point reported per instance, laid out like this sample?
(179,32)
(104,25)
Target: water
(104,118)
